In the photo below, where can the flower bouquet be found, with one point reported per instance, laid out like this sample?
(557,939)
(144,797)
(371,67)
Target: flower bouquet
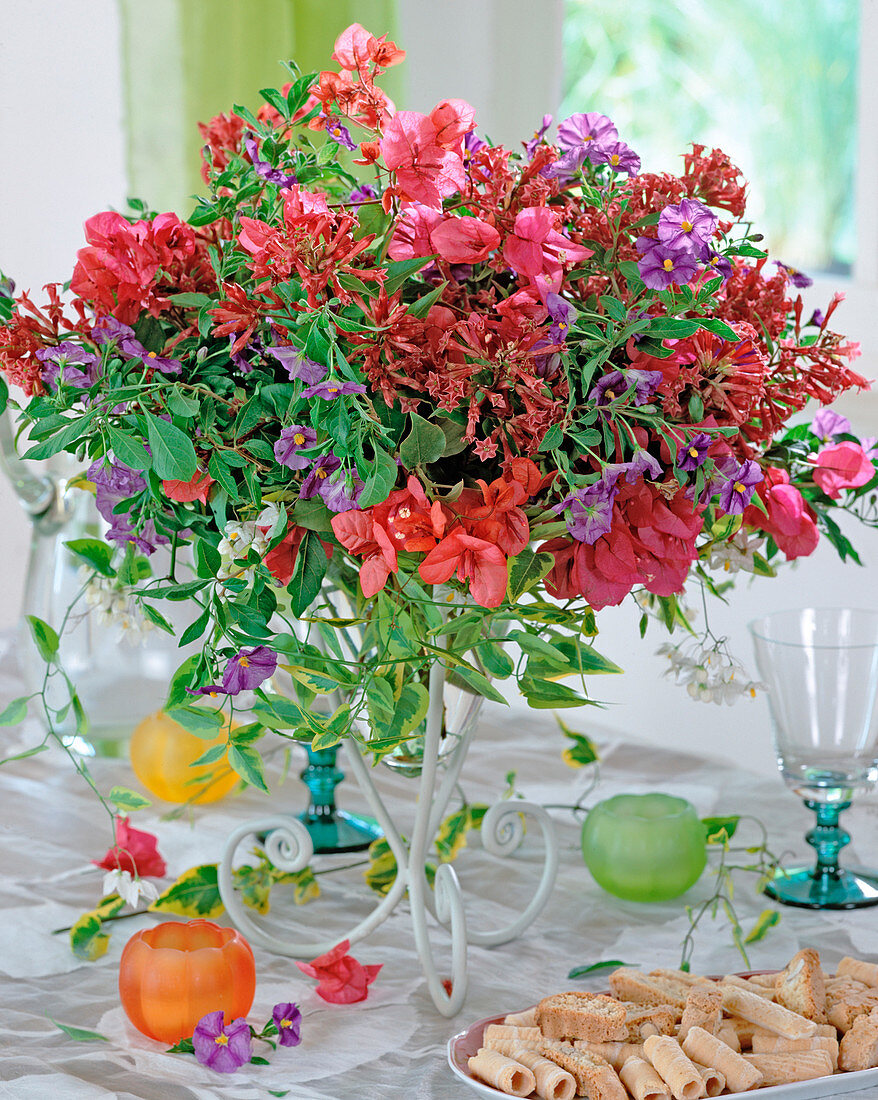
(398,399)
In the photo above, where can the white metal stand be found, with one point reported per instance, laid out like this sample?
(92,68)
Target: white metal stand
(288,845)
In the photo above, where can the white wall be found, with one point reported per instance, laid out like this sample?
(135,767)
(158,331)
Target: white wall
(63,159)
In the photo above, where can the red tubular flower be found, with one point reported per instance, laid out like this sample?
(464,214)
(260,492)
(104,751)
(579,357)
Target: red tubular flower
(223,136)
(715,180)
(790,521)
(473,559)
(842,466)
(135,851)
(340,978)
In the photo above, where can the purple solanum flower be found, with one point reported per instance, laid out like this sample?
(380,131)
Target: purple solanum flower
(715,263)
(817,319)
(619,156)
(827,424)
(689,224)
(297,364)
(115,482)
(291,442)
(248,669)
(616,382)
(243,365)
(263,168)
(796,277)
(223,1049)
(562,313)
(331,389)
(364,193)
(692,454)
(339,133)
(531,146)
(341,490)
(589,511)
(590,128)
(106,329)
(320,471)
(288,1021)
(641,464)
(65,363)
(739,485)
(570,161)
(660,266)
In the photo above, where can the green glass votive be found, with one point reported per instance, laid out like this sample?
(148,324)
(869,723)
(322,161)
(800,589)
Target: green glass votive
(644,847)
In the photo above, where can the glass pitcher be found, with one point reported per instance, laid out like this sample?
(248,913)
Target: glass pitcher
(120,678)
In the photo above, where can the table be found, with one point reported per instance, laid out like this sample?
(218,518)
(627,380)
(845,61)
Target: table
(393,1044)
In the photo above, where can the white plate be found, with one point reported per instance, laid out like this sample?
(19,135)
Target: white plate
(465,1044)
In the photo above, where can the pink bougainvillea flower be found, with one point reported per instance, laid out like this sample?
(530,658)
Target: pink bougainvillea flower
(790,521)
(358,532)
(480,562)
(281,560)
(842,466)
(422,231)
(453,118)
(355,47)
(197,488)
(340,978)
(425,170)
(535,247)
(135,851)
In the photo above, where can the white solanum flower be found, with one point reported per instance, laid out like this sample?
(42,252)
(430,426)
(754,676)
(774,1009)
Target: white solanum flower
(128,888)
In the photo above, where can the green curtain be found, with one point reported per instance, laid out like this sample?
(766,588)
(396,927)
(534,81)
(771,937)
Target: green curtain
(184,61)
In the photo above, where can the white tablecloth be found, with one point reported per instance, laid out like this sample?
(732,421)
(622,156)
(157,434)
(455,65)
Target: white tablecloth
(393,1044)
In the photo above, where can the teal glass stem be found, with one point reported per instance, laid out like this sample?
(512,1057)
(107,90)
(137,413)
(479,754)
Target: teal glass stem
(331,829)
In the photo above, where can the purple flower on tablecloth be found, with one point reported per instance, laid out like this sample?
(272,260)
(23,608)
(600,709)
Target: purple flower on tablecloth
(291,442)
(297,364)
(341,490)
(531,145)
(339,133)
(828,423)
(796,277)
(589,511)
(616,382)
(288,1021)
(69,363)
(687,225)
(331,389)
(692,454)
(738,485)
(115,482)
(248,669)
(619,156)
(263,168)
(660,266)
(223,1049)
(319,472)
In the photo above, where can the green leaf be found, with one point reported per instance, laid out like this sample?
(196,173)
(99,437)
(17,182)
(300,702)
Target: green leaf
(79,1034)
(480,684)
(451,836)
(766,920)
(194,894)
(382,705)
(4,395)
(182,1046)
(190,299)
(423,305)
(546,695)
(173,456)
(400,270)
(15,712)
(129,450)
(719,328)
(181,405)
(44,637)
(382,870)
(381,480)
(538,647)
(125,799)
(248,764)
(158,618)
(87,940)
(553,438)
(202,721)
(308,574)
(663,327)
(423,445)
(254,886)
(526,570)
(62,440)
(719,830)
(95,553)
(583,751)
(177,693)
(305,885)
(582,971)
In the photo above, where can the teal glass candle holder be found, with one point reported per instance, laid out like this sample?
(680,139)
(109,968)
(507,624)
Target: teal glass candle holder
(644,847)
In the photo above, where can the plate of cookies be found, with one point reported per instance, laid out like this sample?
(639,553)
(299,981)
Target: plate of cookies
(671,1035)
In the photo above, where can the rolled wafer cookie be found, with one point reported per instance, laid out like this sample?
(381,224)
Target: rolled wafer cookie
(861,971)
(781,1069)
(642,1081)
(666,1055)
(706,1049)
(704,1008)
(729,1035)
(503,1073)
(552,1082)
(714,1081)
(766,1043)
(510,1046)
(509,1031)
(617,1054)
(528,1018)
(766,1014)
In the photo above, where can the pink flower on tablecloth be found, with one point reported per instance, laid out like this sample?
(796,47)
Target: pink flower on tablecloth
(340,978)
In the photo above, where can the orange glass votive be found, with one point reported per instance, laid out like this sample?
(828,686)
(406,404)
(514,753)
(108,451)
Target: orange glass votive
(175,973)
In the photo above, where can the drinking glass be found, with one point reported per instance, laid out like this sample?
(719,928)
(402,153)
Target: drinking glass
(821,669)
